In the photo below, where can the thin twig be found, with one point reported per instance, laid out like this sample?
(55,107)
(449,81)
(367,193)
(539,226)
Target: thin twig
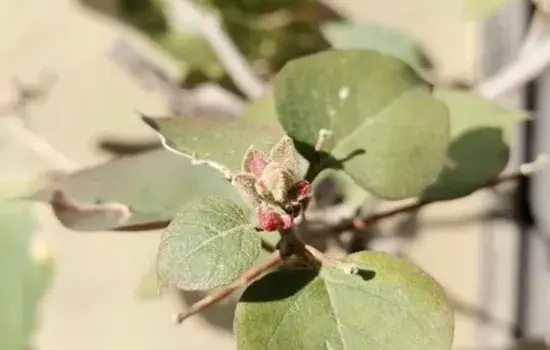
(13,116)
(532,60)
(246,279)
(204,99)
(182,14)
(358,223)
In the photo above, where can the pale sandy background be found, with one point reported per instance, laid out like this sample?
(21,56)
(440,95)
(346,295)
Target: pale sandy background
(92,305)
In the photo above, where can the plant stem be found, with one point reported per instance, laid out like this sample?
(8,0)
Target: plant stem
(185,13)
(246,279)
(358,223)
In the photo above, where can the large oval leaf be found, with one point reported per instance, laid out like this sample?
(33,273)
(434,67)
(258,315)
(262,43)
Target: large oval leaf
(391,134)
(481,131)
(209,243)
(358,35)
(154,185)
(390,304)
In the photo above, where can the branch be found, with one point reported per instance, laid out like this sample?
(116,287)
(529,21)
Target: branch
(182,14)
(12,117)
(533,59)
(359,223)
(205,99)
(246,279)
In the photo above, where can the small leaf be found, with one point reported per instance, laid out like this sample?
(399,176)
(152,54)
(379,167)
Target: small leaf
(388,133)
(390,304)
(479,9)
(209,243)
(151,185)
(481,131)
(388,41)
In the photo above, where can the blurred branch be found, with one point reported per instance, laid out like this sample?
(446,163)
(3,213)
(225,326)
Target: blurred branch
(205,99)
(532,60)
(360,223)
(13,116)
(185,14)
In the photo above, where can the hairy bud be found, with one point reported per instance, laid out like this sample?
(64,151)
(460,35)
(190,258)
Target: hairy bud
(271,219)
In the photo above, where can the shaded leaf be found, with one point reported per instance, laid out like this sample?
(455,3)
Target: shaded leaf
(389,134)
(24,278)
(390,304)
(388,41)
(209,243)
(122,147)
(481,131)
(152,185)
(479,9)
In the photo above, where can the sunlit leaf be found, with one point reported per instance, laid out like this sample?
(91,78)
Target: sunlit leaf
(389,134)
(390,304)
(209,243)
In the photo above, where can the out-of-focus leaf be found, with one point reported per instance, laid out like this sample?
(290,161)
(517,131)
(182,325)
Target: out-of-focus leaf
(24,276)
(388,132)
(390,304)
(388,41)
(481,132)
(149,286)
(151,185)
(210,243)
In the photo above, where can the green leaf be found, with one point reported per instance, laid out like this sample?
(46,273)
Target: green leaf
(479,9)
(219,139)
(209,243)
(481,131)
(389,134)
(388,41)
(390,304)
(153,185)
(24,277)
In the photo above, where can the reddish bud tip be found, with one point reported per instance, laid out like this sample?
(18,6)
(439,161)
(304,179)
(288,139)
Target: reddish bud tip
(302,189)
(270,220)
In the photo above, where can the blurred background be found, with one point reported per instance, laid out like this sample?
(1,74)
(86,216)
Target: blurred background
(92,63)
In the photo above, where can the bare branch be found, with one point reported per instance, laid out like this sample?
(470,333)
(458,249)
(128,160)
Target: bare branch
(361,223)
(12,118)
(246,279)
(533,59)
(182,14)
(205,99)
